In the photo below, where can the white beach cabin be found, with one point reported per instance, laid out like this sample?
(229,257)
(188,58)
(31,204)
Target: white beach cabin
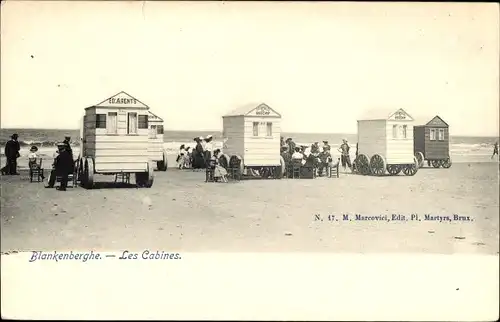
(252,135)
(157,152)
(385,142)
(116,140)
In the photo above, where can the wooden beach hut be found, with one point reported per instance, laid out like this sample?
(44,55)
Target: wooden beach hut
(157,152)
(431,143)
(385,143)
(252,146)
(116,141)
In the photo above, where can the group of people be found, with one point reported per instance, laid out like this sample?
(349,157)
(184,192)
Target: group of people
(62,166)
(202,156)
(314,156)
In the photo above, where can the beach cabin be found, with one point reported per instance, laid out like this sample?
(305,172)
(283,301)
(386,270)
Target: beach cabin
(116,141)
(431,143)
(157,152)
(385,143)
(252,135)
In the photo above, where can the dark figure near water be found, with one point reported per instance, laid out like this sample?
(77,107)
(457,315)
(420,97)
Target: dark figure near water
(12,148)
(63,167)
(495,149)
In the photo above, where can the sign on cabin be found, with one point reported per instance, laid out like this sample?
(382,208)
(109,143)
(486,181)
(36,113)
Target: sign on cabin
(400,115)
(263,110)
(122,99)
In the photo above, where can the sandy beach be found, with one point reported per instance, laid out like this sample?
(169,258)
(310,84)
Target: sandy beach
(184,213)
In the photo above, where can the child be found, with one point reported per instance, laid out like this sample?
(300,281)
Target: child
(180,157)
(33,159)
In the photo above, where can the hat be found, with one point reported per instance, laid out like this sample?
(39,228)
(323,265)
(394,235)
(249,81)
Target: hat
(34,148)
(67,137)
(326,142)
(208,137)
(345,140)
(14,135)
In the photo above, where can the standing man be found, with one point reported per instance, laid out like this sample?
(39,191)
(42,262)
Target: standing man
(345,158)
(495,149)
(291,145)
(11,152)
(63,166)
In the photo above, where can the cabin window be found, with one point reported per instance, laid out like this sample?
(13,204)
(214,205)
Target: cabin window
(255,128)
(112,123)
(143,121)
(152,132)
(159,129)
(394,131)
(100,121)
(441,134)
(269,128)
(132,123)
(404,131)
(432,134)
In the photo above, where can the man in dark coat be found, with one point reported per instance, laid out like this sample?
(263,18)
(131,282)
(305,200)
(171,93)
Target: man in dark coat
(12,148)
(63,166)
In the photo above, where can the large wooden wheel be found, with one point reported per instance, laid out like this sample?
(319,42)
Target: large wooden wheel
(150,176)
(394,169)
(79,172)
(436,163)
(163,164)
(410,169)
(377,165)
(88,173)
(420,159)
(224,161)
(446,163)
(282,169)
(363,164)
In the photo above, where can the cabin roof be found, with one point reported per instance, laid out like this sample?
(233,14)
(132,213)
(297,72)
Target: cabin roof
(380,114)
(248,108)
(155,117)
(122,94)
(428,121)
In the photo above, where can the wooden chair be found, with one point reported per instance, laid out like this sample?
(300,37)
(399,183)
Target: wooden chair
(209,172)
(36,170)
(296,166)
(333,169)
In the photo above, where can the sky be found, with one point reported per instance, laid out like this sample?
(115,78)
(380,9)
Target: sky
(320,64)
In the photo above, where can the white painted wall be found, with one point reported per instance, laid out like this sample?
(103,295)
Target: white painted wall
(400,149)
(262,150)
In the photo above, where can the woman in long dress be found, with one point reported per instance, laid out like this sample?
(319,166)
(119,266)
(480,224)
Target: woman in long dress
(198,155)
(219,171)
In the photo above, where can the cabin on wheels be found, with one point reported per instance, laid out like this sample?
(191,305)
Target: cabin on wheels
(431,142)
(252,144)
(385,142)
(157,152)
(115,140)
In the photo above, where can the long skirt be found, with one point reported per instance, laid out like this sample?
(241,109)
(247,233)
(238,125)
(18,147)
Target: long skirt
(198,161)
(219,171)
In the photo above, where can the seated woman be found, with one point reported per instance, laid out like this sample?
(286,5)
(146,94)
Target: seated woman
(219,171)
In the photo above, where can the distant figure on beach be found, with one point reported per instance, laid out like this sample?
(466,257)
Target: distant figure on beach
(291,145)
(180,157)
(209,147)
(219,171)
(11,152)
(67,142)
(345,157)
(198,154)
(62,167)
(326,145)
(325,160)
(495,149)
(33,159)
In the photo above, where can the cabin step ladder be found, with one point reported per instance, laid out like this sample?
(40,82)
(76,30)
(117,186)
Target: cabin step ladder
(122,177)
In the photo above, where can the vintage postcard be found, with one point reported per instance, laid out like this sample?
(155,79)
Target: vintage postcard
(347,150)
